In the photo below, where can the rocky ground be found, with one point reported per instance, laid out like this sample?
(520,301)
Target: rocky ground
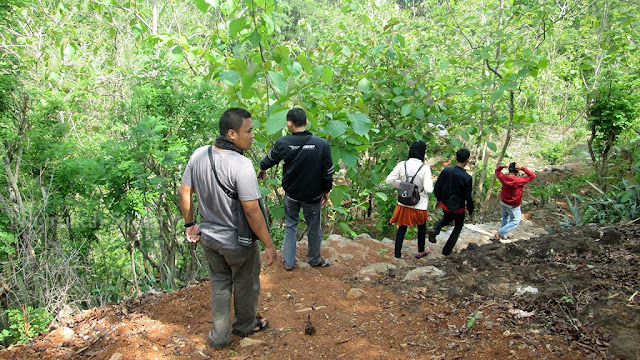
(566,295)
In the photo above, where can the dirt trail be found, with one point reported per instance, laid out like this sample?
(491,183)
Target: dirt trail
(559,296)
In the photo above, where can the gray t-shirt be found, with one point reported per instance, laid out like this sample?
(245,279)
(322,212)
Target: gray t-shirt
(217,211)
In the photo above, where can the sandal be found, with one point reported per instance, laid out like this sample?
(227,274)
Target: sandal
(287,268)
(261,324)
(426,252)
(322,263)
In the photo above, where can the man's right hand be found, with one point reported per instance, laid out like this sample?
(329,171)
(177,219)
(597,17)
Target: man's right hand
(262,174)
(193,234)
(271,255)
(325,198)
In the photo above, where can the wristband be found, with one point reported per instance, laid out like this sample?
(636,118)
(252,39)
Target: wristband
(189,224)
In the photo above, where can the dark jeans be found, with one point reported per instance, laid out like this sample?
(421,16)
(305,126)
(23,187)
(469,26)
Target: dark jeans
(402,230)
(447,218)
(312,212)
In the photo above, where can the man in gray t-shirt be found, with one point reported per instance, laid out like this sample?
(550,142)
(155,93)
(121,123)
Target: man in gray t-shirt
(234,267)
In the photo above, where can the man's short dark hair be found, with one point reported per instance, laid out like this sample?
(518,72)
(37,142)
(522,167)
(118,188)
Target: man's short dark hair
(462,155)
(512,168)
(297,116)
(232,119)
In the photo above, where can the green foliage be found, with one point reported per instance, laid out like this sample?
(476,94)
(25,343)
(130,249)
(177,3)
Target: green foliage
(99,112)
(557,191)
(25,324)
(7,245)
(575,217)
(619,203)
(385,204)
(612,113)
(473,318)
(556,152)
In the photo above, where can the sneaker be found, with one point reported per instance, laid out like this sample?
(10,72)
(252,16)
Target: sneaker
(432,236)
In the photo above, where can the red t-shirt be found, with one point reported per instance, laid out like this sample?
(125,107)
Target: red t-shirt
(512,185)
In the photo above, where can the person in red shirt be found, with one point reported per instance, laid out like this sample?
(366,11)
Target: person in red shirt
(511,196)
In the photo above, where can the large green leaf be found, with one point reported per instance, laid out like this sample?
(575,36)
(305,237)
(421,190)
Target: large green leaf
(203,5)
(229,77)
(336,195)
(497,95)
(349,158)
(360,123)
(364,85)
(255,38)
(236,27)
(279,81)
(543,63)
(336,128)
(406,109)
(382,196)
(276,121)
(512,85)
(346,230)
(327,75)
(268,23)
(318,70)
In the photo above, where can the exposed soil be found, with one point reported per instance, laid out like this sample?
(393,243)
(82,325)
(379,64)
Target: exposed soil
(567,295)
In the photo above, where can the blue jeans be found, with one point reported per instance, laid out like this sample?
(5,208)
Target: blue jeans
(511,216)
(311,213)
(237,270)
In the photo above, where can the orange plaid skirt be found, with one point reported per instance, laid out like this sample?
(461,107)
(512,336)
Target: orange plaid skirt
(406,216)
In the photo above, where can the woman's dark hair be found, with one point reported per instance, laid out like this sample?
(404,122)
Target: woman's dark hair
(417,150)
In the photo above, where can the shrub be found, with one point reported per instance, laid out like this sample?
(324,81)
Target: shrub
(25,324)
(620,202)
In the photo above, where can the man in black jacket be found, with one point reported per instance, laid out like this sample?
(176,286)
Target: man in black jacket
(453,191)
(307,178)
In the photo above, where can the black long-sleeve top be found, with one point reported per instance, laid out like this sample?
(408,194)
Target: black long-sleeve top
(305,177)
(455,181)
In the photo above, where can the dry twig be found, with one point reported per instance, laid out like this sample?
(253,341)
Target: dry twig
(293,298)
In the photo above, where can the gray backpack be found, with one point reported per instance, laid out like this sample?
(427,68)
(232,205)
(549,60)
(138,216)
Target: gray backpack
(408,193)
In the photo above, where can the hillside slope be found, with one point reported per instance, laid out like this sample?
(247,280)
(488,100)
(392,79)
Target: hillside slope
(561,296)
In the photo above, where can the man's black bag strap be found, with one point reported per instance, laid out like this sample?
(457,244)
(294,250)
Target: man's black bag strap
(407,174)
(231,194)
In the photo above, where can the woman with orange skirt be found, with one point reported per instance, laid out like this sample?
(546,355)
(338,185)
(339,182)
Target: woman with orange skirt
(416,215)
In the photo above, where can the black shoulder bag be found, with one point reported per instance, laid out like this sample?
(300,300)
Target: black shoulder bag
(246,236)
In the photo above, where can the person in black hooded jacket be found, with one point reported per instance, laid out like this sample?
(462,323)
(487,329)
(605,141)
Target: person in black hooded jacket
(307,178)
